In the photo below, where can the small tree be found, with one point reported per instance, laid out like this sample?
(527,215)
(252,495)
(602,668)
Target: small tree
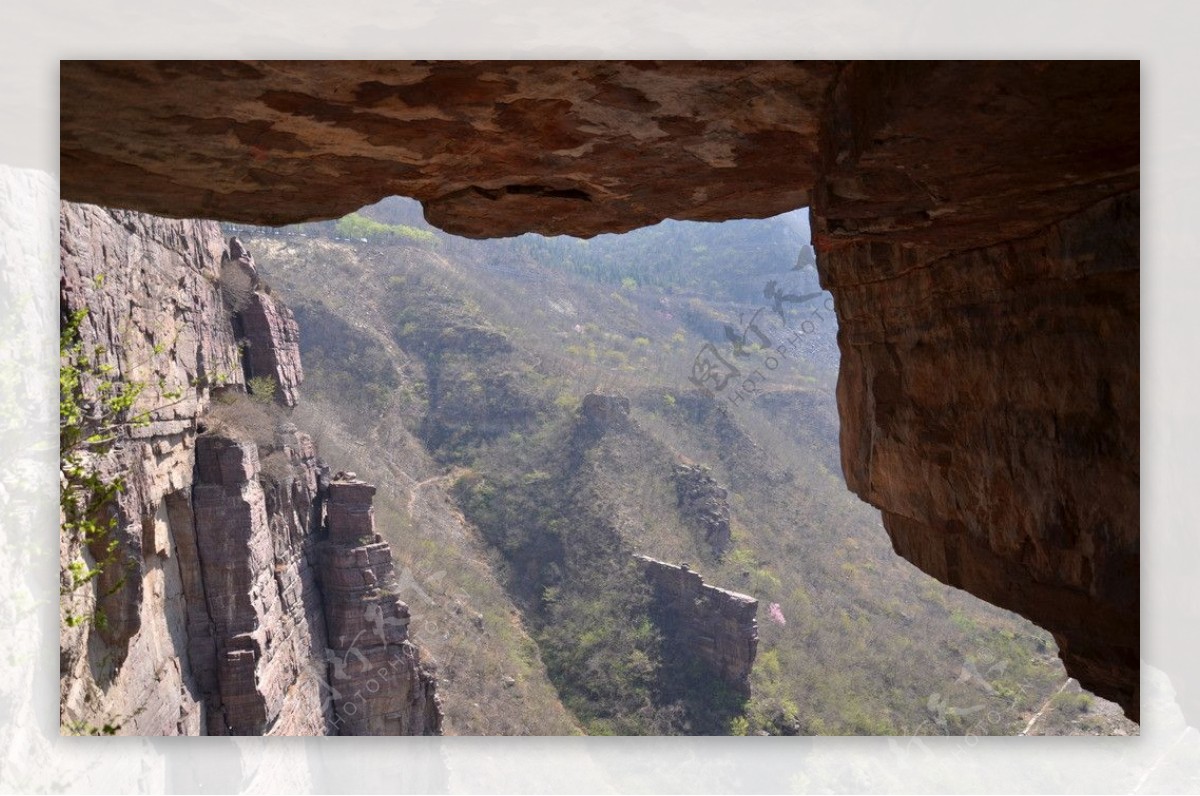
(262,389)
(96,414)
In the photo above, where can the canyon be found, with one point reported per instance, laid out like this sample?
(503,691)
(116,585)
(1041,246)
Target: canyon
(976,223)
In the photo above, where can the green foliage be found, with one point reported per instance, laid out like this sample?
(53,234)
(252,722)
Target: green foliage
(83,728)
(359,227)
(867,639)
(1072,702)
(95,414)
(262,389)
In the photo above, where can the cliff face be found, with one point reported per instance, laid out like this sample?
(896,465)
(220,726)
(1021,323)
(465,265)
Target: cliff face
(379,685)
(704,623)
(267,331)
(986,290)
(975,222)
(214,612)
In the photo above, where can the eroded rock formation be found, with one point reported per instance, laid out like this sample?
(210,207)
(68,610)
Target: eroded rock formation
(975,222)
(986,285)
(704,503)
(214,617)
(266,329)
(704,623)
(380,686)
(490,148)
(255,630)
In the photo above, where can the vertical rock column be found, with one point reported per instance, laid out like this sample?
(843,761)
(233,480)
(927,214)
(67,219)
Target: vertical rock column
(266,328)
(379,684)
(265,640)
(712,625)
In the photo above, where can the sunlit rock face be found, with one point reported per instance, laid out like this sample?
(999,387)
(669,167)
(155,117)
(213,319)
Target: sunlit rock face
(490,148)
(703,623)
(267,331)
(977,224)
(214,615)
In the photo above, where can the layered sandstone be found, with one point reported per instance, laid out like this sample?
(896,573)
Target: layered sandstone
(975,222)
(267,331)
(985,271)
(379,685)
(154,316)
(260,593)
(490,148)
(704,623)
(211,620)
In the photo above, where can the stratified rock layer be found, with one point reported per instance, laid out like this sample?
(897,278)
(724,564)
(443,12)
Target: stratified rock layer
(266,329)
(265,631)
(985,270)
(215,623)
(490,148)
(704,623)
(154,316)
(975,222)
(379,685)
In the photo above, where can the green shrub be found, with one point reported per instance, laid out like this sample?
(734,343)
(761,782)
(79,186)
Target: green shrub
(358,226)
(262,389)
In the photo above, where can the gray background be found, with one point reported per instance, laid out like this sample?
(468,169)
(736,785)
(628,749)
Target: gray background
(35,35)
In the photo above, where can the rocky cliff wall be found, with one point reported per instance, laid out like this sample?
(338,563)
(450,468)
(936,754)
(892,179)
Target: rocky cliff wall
(380,686)
(267,332)
(704,623)
(212,618)
(985,267)
(1012,479)
(154,315)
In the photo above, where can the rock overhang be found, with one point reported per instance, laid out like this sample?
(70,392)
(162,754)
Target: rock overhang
(974,190)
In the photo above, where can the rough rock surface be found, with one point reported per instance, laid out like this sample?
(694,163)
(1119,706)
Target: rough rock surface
(704,503)
(379,686)
(600,412)
(265,631)
(705,623)
(219,626)
(266,329)
(490,148)
(958,216)
(150,288)
(985,271)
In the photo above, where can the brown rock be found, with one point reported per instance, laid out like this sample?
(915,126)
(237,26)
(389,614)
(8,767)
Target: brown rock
(490,148)
(267,331)
(137,277)
(984,264)
(379,685)
(704,503)
(603,412)
(261,596)
(705,623)
(216,623)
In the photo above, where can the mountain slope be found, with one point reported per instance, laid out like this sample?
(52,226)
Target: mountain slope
(459,368)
